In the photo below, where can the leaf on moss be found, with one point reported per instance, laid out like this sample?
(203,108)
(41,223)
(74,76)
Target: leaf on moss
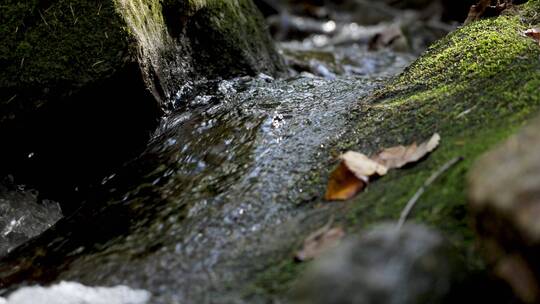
(533,33)
(355,169)
(352,175)
(320,241)
(397,157)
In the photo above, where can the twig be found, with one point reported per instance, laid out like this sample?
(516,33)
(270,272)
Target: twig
(410,205)
(462,114)
(75,19)
(43,18)
(97,62)
(11,99)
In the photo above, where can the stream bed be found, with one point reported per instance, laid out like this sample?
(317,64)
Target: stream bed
(225,190)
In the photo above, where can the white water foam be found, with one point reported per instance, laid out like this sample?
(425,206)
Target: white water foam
(76,293)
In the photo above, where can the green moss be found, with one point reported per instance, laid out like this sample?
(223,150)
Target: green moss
(530,12)
(227,24)
(482,50)
(146,23)
(475,87)
(66,28)
(276,280)
(55,48)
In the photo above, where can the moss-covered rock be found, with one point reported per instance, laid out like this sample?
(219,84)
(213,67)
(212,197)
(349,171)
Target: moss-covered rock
(55,48)
(80,79)
(475,87)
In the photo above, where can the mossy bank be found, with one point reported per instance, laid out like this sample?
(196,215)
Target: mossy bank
(86,81)
(475,87)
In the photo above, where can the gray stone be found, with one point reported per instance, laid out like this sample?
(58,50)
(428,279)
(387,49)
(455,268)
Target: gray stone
(505,204)
(383,265)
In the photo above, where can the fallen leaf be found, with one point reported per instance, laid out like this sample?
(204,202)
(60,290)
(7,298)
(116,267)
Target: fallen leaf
(320,241)
(534,33)
(343,184)
(361,165)
(351,176)
(397,157)
(353,172)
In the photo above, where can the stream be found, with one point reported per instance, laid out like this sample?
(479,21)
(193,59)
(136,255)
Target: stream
(225,189)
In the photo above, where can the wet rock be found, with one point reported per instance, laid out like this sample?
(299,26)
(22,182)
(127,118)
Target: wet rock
(505,204)
(84,83)
(330,61)
(384,265)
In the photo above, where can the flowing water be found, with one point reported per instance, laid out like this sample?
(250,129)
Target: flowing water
(225,190)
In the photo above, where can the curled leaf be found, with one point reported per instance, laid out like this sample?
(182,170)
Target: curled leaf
(362,166)
(351,176)
(319,241)
(397,157)
(353,172)
(533,33)
(343,184)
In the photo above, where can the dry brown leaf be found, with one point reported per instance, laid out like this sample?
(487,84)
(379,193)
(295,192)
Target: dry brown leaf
(343,184)
(320,241)
(361,165)
(351,176)
(397,157)
(353,173)
(534,33)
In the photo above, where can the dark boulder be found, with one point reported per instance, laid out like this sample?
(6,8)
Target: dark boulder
(84,83)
